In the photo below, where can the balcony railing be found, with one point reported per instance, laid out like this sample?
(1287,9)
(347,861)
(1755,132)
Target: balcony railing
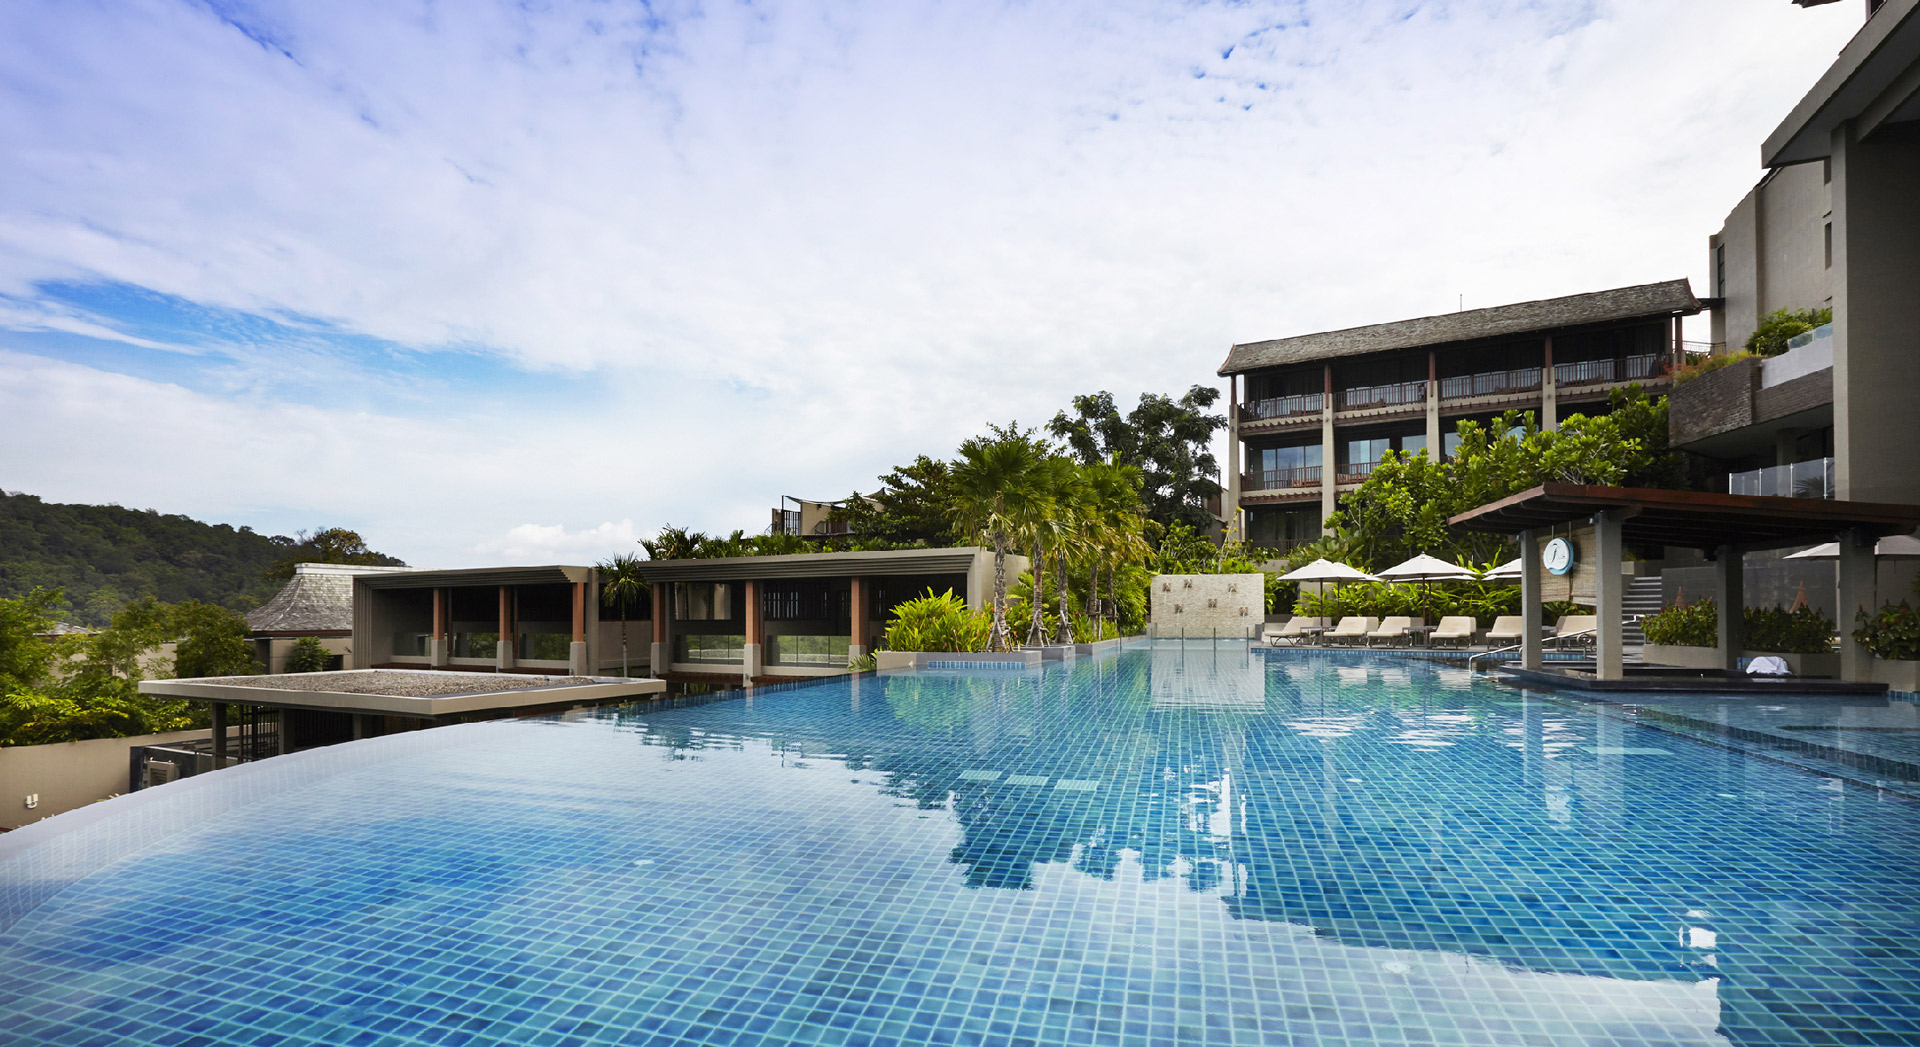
(1282,479)
(1395,394)
(1594,372)
(1812,479)
(1490,383)
(1281,407)
(1355,472)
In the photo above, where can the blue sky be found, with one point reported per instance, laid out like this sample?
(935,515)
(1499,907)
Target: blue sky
(522,282)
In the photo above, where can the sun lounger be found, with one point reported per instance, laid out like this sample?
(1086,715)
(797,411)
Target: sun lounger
(1575,629)
(1353,629)
(1506,630)
(1393,629)
(1454,628)
(1299,629)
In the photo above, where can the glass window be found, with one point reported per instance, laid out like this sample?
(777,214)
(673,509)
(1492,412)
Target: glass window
(1366,452)
(1450,443)
(1413,445)
(1298,457)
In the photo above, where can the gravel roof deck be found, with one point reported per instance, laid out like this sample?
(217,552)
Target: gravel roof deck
(401,683)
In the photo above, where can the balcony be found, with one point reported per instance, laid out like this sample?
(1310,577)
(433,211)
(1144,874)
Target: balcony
(1813,479)
(1491,383)
(1395,394)
(1281,479)
(1599,372)
(1355,472)
(1280,407)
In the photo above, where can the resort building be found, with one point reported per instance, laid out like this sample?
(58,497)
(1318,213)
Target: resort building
(802,615)
(456,619)
(1834,223)
(805,518)
(1311,415)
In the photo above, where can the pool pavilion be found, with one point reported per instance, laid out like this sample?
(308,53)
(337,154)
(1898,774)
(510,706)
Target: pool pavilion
(1723,526)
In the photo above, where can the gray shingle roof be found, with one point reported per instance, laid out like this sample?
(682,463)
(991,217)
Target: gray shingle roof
(1621,303)
(317,599)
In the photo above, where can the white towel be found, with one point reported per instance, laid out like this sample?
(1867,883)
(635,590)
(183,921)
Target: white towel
(1769,665)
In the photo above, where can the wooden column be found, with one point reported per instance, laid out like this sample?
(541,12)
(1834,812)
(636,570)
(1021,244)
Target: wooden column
(439,614)
(751,657)
(503,650)
(660,611)
(857,615)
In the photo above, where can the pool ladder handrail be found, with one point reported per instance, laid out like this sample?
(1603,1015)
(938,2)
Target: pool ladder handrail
(1554,639)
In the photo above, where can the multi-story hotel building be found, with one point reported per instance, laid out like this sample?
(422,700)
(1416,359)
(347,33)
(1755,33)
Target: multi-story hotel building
(1311,415)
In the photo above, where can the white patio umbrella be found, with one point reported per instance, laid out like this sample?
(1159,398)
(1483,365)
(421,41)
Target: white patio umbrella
(1506,572)
(1424,569)
(1892,547)
(1323,570)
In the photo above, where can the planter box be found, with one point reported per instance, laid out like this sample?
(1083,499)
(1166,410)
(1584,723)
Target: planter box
(1900,676)
(1823,664)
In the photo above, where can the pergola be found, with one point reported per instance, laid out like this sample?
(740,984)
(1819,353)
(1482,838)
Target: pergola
(1724,526)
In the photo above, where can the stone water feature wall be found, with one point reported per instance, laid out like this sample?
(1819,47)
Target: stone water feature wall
(1229,606)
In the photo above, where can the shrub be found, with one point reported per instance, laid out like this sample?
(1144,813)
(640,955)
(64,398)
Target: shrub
(1892,632)
(1689,371)
(309,656)
(1696,625)
(938,623)
(1805,631)
(1770,338)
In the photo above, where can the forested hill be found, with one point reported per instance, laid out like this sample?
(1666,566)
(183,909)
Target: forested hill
(104,555)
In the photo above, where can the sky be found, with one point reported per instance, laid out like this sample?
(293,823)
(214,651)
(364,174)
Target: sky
(523,282)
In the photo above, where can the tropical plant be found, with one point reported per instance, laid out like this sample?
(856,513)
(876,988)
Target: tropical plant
(1706,365)
(1776,328)
(309,655)
(1801,631)
(1891,632)
(329,545)
(1692,625)
(85,685)
(621,586)
(999,497)
(940,622)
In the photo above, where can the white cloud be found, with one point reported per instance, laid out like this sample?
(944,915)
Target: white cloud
(798,242)
(553,543)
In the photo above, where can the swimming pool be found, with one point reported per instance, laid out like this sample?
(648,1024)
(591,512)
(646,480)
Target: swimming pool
(1224,846)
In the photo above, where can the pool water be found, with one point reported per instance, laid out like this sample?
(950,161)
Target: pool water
(1224,846)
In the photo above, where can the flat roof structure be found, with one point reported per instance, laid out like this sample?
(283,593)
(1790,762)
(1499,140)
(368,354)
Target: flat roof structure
(1697,519)
(815,565)
(422,694)
(1870,83)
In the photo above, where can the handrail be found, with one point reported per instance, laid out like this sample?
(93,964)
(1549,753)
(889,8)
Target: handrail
(1554,639)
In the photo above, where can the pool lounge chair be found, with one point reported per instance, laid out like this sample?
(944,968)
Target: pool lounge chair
(1293,631)
(1564,634)
(1393,629)
(1454,629)
(1506,630)
(1352,629)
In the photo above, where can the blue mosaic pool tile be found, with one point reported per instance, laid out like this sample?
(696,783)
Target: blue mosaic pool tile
(1164,846)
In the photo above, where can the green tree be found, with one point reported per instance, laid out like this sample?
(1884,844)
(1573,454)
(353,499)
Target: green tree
(26,660)
(997,497)
(1168,440)
(330,545)
(1771,336)
(213,642)
(621,586)
(82,686)
(911,507)
(309,655)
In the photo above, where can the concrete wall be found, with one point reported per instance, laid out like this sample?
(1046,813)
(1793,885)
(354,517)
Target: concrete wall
(1876,336)
(273,652)
(1775,244)
(1225,605)
(67,775)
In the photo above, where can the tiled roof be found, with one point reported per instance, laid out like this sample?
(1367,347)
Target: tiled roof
(1622,303)
(317,599)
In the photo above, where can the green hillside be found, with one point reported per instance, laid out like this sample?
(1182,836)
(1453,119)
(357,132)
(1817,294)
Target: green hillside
(104,555)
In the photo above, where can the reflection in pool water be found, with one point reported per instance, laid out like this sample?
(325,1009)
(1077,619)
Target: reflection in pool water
(1160,846)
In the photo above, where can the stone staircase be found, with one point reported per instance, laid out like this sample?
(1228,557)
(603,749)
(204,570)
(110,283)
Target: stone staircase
(1642,597)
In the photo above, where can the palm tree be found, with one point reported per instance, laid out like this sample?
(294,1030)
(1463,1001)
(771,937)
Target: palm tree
(621,586)
(996,497)
(1118,522)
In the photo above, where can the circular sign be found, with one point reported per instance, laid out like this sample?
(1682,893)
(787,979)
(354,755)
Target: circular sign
(1558,556)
